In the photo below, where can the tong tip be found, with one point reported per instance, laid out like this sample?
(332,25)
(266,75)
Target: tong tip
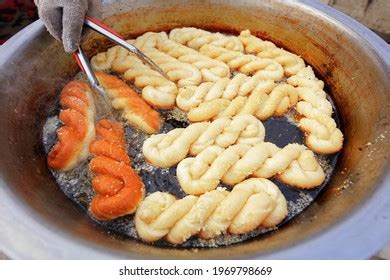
(150,62)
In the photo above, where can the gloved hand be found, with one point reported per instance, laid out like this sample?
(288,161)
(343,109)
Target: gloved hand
(64,18)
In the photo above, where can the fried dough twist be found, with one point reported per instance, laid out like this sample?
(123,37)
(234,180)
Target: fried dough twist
(239,85)
(293,165)
(196,38)
(265,68)
(265,49)
(252,204)
(156,90)
(322,134)
(119,188)
(165,150)
(213,100)
(133,108)
(211,69)
(183,74)
(78,130)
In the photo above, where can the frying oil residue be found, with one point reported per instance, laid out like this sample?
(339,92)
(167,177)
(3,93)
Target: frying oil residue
(296,207)
(76,184)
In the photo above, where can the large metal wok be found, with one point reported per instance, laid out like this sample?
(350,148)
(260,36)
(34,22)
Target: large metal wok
(350,219)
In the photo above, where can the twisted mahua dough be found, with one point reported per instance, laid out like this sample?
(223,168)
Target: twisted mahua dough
(103,61)
(322,134)
(293,165)
(265,49)
(183,74)
(156,90)
(133,108)
(78,130)
(253,203)
(211,69)
(266,100)
(265,68)
(196,38)
(119,188)
(276,103)
(240,85)
(165,150)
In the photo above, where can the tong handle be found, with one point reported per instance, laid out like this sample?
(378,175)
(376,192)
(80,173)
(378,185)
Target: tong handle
(84,65)
(120,40)
(100,27)
(76,57)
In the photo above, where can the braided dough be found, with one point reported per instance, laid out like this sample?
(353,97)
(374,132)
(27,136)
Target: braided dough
(183,74)
(265,68)
(207,101)
(211,69)
(322,134)
(253,203)
(133,108)
(119,188)
(156,90)
(293,165)
(78,131)
(240,85)
(265,49)
(196,38)
(165,150)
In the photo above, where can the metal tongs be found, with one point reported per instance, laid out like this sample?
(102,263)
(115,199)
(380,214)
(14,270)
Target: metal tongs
(86,67)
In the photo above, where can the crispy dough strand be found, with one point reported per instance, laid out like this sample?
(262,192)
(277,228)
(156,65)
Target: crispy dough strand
(119,188)
(133,108)
(195,38)
(322,134)
(265,68)
(210,69)
(252,204)
(165,150)
(78,130)
(209,100)
(156,90)
(265,49)
(293,165)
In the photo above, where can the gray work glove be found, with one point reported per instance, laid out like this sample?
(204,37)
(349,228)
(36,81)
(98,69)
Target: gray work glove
(64,18)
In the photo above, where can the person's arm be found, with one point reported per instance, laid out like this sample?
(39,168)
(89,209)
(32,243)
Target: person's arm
(64,18)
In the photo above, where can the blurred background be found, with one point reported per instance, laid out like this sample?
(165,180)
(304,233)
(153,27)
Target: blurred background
(375,14)
(14,15)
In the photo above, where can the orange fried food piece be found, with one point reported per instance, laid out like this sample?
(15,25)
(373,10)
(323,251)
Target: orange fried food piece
(78,130)
(119,188)
(134,109)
